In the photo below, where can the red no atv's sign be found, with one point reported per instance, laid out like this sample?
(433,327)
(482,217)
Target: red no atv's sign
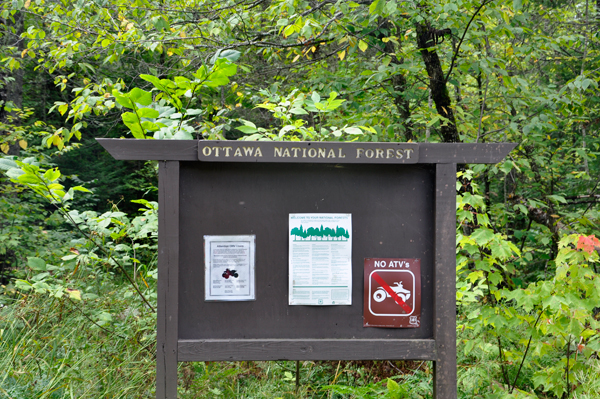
(392,293)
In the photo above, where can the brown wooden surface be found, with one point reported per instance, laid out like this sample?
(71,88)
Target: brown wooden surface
(151,150)
(187,150)
(391,207)
(305,349)
(444,309)
(464,153)
(168,279)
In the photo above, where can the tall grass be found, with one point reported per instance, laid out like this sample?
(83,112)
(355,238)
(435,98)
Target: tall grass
(52,349)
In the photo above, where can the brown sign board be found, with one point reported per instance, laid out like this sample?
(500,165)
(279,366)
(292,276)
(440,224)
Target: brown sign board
(402,198)
(307,151)
(392,293)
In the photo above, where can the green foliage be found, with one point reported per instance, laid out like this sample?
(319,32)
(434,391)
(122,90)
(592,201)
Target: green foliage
(94,229)
(289,111)
(540,335)
(169,114)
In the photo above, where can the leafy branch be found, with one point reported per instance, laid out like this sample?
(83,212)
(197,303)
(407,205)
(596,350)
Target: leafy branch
(45,183)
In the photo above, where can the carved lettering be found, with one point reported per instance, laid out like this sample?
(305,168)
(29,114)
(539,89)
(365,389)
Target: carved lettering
(317,151)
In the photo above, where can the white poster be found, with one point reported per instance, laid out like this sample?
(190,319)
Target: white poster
(229,268)
(320,259)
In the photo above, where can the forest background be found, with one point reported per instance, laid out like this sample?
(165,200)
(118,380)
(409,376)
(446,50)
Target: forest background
(78,229)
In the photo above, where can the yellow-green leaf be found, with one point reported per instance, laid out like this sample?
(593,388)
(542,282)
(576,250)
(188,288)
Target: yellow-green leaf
(74,294)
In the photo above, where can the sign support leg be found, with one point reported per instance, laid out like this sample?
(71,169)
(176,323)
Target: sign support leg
(168,279)
(444,313)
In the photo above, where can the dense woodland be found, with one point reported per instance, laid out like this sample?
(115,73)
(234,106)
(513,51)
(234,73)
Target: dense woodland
(78,229)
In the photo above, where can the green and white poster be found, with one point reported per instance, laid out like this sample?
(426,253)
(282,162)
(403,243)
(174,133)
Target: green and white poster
(320,259)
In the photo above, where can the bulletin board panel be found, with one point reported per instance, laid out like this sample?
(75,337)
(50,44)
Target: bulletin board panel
(402,197)
(391,207)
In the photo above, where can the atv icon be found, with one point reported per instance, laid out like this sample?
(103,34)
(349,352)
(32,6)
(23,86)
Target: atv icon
(380,294)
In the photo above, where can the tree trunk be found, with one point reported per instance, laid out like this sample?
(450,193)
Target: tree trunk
(399,85)
(437,83)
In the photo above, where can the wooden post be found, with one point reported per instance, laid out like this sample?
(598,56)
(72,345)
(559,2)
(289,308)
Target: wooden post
(168,279)
(444,309)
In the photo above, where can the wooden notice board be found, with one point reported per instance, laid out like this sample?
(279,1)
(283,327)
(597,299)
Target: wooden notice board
(402,198)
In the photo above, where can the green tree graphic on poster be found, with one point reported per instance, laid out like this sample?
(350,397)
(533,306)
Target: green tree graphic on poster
(320,234)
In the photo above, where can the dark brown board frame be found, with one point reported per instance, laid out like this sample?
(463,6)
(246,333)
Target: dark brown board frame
(348,177)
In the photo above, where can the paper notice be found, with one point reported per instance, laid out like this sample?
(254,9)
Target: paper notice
(320,259)
(229,268)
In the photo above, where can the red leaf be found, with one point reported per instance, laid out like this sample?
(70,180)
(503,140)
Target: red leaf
(588,243)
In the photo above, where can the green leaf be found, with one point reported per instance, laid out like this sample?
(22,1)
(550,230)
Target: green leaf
(231,55)
(353,130)
(52,174)
(147,113)
(36,263)
(7,164)
(150,126)
(247,129)
(315,97)
(507,166)
(80,188)
(376,7)
(517,4)
(130,118)
(482,236)
(122,99)
(557,198)
(290,29)
(161,23)
(28,178)
(133,123)
(140,96)
(298,111)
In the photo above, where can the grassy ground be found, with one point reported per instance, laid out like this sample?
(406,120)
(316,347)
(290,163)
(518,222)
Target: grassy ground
(104,348)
